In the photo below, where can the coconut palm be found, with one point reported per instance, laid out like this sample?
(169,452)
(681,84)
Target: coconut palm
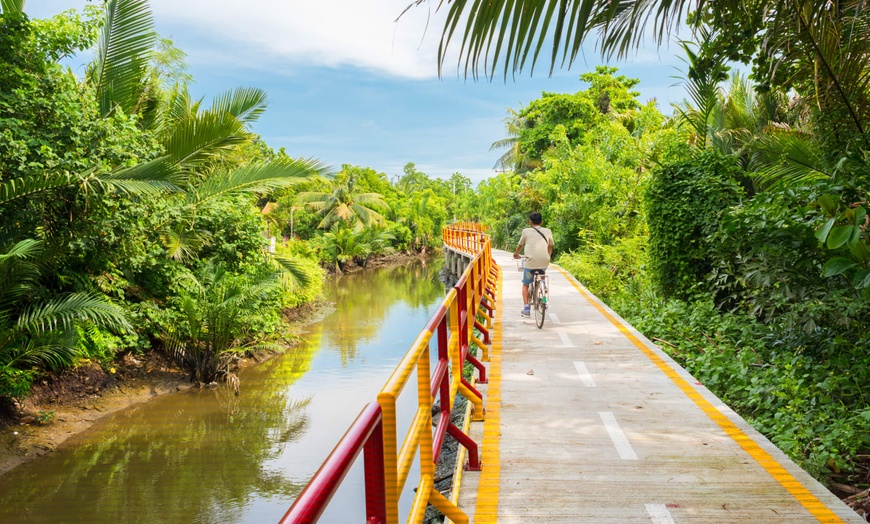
(343,204)
(513,158)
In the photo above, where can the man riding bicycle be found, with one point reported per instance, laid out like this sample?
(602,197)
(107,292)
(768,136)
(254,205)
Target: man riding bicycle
(538,243)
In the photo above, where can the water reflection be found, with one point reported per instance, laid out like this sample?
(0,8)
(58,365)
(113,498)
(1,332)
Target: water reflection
(209,456)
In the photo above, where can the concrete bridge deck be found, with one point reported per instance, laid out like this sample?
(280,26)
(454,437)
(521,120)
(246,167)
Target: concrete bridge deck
(589,422)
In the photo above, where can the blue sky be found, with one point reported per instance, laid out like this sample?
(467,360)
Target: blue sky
(349,85)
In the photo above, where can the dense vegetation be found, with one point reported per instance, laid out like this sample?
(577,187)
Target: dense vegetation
(135,216)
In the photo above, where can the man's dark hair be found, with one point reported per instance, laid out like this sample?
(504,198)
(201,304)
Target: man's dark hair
(536,218)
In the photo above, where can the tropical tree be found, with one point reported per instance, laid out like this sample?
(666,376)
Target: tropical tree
(513,158)
(219,310)
(342,203)
(412,180)
(40,331)
(120,183)
(344,244)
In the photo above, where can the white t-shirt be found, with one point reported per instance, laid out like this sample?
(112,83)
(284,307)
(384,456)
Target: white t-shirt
(537,254)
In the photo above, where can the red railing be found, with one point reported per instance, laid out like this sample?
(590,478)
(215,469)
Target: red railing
(375,431)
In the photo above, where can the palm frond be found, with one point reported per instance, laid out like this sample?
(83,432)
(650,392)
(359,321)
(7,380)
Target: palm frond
(371,199)
(183,244)
(54,351)
(257,178)
(788,158)
(244,103)
(293,269)
(308,197)
(179,107)
(25,249)
(65,311)
(504,143)
(198,139)
(366,215)
(19,272)
(155,177)
(12,7)
(824,52)
(513,33)
(123,52)
(16,188)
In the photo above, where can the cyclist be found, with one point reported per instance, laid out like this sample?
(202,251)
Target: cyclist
(538,243)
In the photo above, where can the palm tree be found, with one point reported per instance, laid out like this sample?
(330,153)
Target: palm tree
(513,158)
(39,331)
(344,244)
(218,309)
(343,204)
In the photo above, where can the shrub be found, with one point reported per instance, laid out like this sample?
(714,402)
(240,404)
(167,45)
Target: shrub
(684,204)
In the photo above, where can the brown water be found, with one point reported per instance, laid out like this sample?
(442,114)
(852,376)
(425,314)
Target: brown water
(207,456)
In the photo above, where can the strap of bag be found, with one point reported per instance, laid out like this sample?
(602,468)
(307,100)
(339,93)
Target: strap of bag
(542,235)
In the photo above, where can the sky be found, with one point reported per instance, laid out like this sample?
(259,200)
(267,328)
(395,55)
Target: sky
(348,83)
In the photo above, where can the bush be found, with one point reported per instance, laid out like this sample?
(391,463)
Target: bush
(608,270)
(684,204)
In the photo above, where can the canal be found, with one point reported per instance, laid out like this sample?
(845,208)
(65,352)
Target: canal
(207,456)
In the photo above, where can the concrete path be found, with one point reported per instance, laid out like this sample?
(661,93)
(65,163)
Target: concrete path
(589,422)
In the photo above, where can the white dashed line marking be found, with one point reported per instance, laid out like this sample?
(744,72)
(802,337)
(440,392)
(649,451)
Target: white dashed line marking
(620,441)
(585,377)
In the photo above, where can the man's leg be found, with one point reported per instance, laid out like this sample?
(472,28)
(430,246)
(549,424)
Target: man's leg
(527,279)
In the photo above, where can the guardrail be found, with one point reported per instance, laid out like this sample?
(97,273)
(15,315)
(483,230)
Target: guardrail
(375,430)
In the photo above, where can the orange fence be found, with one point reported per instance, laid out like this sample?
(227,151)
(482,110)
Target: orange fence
(451,330)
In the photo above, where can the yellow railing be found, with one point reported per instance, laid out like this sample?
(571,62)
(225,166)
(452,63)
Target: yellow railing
(452,330)
(453,324)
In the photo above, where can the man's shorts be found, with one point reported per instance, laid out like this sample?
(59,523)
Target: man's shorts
(529,275)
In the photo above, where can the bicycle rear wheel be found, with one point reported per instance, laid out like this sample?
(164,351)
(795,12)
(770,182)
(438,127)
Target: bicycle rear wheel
(540,304)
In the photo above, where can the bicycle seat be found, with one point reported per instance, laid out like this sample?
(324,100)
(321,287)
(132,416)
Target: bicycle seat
(538,271)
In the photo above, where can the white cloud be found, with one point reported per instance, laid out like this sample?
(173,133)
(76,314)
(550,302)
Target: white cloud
(331,33)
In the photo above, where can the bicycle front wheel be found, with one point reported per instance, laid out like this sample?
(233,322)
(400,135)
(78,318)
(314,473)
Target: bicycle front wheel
(540,304)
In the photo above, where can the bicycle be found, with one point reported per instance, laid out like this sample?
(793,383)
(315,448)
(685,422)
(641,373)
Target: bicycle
(539,292)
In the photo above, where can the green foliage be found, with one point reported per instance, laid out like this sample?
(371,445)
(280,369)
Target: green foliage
(295,293)
(125,188)
(767,262)
(343,245)
(40,330)
(609,270)
(846,234)
(341,202)
(222,314)
(684,203)
(574,113)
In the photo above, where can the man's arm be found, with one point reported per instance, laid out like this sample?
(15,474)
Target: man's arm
(520,244)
